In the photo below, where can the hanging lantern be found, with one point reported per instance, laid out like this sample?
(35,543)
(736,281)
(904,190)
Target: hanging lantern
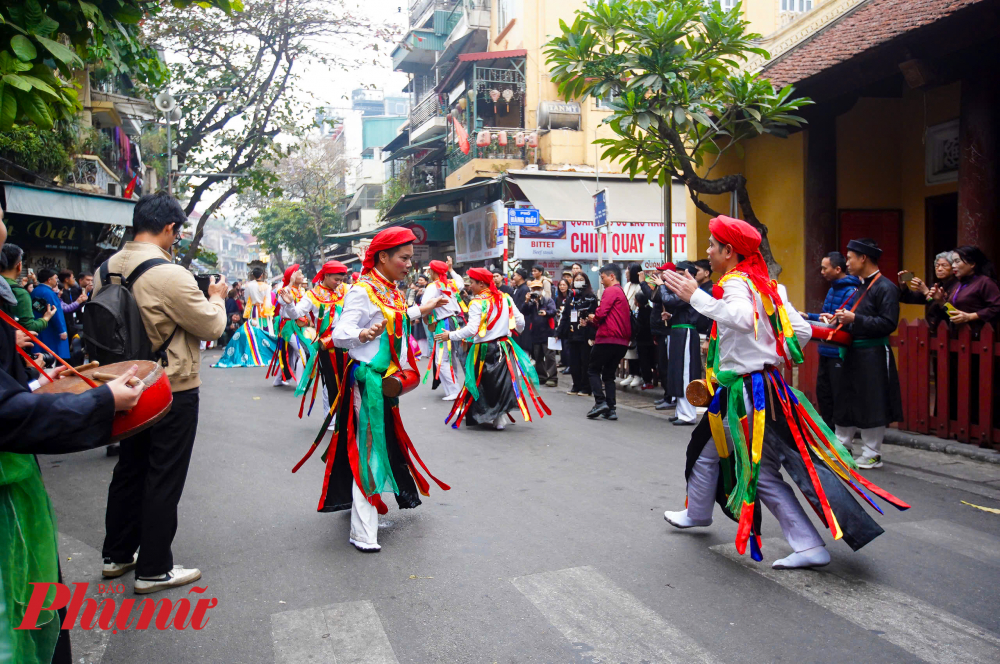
(463,103)
(471,94)
(455,113)
(483,139)
(495,96)
(519,139)
(502,139)
(508,94)
(533,139)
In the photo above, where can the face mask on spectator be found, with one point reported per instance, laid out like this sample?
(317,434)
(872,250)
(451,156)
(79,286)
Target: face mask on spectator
(579,284)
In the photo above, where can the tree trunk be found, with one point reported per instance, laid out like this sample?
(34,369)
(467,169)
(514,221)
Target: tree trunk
(279,260)
(736,184)
(200,228)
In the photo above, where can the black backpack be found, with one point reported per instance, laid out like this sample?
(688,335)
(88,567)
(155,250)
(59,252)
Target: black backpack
(112,325)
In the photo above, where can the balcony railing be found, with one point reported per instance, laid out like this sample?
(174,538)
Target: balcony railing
(419,7)
(424,111)
(511,152)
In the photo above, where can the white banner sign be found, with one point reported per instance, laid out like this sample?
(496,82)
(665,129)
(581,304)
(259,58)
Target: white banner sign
(479,233)
(578,241)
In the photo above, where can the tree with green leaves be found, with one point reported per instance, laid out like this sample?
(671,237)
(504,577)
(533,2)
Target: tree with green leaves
(42,42)
(294,226)
(671,70)
(255,55)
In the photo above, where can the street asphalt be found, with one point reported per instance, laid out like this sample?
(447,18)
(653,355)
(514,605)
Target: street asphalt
(550,547)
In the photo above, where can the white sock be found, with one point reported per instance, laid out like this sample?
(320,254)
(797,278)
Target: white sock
(817,556)
(499,422)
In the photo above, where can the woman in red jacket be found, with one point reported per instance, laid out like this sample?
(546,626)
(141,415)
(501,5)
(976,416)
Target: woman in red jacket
(613,322)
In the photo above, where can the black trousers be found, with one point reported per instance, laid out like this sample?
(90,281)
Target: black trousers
(827,379)
(146,486)
(579,364)
(604,360)
(662,344)
(545,361)
(644,365)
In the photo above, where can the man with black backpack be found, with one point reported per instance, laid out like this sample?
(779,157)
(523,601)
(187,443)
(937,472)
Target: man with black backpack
(146,307)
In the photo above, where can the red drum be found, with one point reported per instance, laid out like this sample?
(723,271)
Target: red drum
(154,402)
(828,333)
(400,383)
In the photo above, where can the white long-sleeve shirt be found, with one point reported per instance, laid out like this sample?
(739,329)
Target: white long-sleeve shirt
(500,329)
(449,308)
(360,313)
(306,307)
(739,351)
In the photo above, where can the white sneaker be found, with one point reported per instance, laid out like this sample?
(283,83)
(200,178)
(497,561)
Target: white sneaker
(624,382)
(365,547)
(636,381)
(867,463)
(500,422)
(113,570)
(178,576)
(450,397)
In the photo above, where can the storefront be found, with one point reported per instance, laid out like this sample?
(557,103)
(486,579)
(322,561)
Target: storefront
(64,228)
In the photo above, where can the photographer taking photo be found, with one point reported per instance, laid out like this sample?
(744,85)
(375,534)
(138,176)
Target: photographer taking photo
(149,477)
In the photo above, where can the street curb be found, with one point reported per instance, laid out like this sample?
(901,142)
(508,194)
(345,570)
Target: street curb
(932,444)
(892,437)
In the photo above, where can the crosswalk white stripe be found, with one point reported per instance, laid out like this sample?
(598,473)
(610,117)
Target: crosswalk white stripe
(907,622)
(82,562)
(346,633)
(955,538)
(604,622)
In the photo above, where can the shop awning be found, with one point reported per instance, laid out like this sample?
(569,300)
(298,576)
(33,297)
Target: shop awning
(569,196)
(413,202)
(67,204)
(406,151)
(400,141)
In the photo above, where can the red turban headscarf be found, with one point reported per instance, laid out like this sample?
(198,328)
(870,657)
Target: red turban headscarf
(745,240)
(390,238)
(439,266)
(288,275)
(485,276)
(330,267)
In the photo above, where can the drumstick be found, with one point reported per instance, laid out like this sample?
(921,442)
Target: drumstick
(107,378)
(88,366)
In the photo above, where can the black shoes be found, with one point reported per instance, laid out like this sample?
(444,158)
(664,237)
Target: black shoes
(673,419)
(598,410)
(612,414)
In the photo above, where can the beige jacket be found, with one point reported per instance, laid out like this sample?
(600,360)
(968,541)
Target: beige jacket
(169,297)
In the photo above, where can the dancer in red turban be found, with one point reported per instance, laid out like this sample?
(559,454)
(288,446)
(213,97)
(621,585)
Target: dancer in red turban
(320,308)
(293,339)
(756,333)
(499,376)
(449,316)
(370,451)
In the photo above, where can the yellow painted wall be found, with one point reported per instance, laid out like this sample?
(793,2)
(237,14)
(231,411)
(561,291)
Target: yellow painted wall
(880,162)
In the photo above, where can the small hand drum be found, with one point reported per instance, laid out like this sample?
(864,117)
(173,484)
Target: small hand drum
(697,393)
(828,333)
(400,383)
(154,402)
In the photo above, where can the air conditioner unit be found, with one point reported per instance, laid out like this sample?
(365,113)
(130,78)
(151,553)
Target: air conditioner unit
(114,189)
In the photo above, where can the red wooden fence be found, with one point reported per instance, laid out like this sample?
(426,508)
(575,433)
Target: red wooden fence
(946,379)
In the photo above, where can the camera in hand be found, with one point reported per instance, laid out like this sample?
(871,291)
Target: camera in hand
(205,280)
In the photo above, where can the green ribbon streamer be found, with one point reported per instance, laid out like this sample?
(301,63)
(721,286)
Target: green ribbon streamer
(27,554)
(373,458)
(733,382)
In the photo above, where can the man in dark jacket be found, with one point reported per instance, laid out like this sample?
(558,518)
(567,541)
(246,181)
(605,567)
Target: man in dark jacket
(659,327)
(868,397)
(539,317)
(613,320)
(842,286)
(685,347)
(521,290)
